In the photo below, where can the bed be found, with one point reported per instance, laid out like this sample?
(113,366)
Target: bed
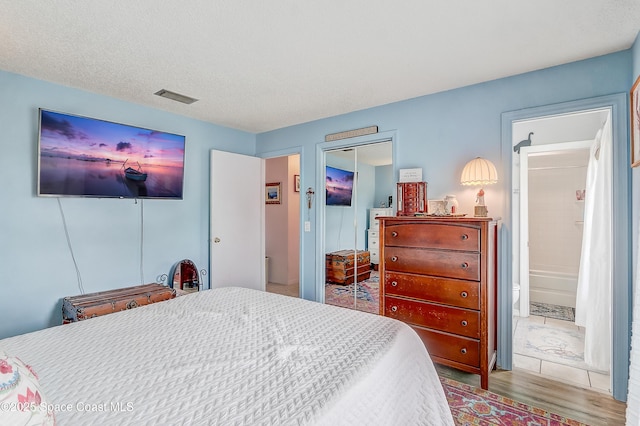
(233,356)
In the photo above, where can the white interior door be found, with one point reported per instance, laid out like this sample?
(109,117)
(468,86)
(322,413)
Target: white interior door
(237,242)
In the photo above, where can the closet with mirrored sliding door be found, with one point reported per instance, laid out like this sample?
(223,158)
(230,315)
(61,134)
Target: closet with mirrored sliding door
(359,184)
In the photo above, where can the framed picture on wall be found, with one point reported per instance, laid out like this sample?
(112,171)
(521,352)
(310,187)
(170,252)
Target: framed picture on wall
(635,123)
(272,193)
(296,183)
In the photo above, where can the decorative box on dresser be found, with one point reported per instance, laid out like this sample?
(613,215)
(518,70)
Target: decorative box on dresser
(439,275)
(411,198)
(373,233)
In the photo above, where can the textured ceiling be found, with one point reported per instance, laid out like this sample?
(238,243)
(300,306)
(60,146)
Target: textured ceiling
(263,65)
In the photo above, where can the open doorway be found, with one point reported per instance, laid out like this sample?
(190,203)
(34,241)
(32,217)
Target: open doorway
(549,180)
(282,225)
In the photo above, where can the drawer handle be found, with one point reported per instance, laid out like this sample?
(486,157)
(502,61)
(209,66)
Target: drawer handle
(394,234)
(394,308)
(463,351)
(394,258)
(464,323)
(464,294)
(394,283)
(465,265)
(465,237)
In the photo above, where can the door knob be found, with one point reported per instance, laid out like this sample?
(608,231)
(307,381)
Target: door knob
(216,240)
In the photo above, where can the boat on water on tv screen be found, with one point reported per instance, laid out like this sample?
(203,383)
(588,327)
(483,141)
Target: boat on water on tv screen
(87,157)
(339,186)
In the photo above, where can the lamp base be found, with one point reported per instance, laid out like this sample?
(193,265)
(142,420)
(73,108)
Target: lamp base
(480,211)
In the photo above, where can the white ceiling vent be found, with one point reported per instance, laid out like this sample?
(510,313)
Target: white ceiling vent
(175,96)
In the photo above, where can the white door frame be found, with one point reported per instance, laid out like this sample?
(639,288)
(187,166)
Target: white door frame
(524,210)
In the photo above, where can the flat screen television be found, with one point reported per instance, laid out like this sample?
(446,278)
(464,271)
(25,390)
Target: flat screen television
(87,157)
(339,187)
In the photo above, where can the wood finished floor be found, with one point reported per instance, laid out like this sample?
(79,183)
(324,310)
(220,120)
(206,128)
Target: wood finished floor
(587,406)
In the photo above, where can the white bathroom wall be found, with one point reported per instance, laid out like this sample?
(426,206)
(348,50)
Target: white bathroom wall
(546,130)
(555,225)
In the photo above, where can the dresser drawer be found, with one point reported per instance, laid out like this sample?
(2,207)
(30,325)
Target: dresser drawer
(441,263)
(464,294)
(449,346)
(378,212)
(436,235)
(374,256)
(440,317)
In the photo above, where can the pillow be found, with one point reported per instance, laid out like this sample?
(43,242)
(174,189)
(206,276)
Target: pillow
(21,398)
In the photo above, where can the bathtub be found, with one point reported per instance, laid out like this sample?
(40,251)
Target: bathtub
(558,288)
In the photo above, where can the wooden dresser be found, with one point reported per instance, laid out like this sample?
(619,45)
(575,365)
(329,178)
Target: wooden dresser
(440,276)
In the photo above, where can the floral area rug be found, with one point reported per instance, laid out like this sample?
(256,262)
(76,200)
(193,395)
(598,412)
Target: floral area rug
(367,294)
(548,310)
(474,406)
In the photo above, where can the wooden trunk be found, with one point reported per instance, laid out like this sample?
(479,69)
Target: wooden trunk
(341,266)
(85,306)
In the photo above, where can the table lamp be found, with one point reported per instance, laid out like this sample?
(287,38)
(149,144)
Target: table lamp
(479,172)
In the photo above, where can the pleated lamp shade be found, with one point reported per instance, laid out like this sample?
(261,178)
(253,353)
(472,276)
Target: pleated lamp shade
(479,172)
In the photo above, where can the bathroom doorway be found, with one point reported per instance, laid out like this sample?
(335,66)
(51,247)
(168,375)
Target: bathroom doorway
(549,209)
(621,289)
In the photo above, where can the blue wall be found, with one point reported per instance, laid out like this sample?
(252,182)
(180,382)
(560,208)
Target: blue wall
(105,233)
(385,186)
(438,133)
(441,132)
(339,220)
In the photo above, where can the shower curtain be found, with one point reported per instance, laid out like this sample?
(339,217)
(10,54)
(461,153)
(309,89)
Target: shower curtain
(593,299)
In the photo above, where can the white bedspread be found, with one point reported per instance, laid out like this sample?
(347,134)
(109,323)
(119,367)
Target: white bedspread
(234,356)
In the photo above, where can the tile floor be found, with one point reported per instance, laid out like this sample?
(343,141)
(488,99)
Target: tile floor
(558,372)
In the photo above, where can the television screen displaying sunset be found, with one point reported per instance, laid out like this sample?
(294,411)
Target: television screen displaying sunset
(81,156)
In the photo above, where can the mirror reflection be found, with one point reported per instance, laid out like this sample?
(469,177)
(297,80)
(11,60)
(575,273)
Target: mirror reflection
(359,186)
(184,276)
